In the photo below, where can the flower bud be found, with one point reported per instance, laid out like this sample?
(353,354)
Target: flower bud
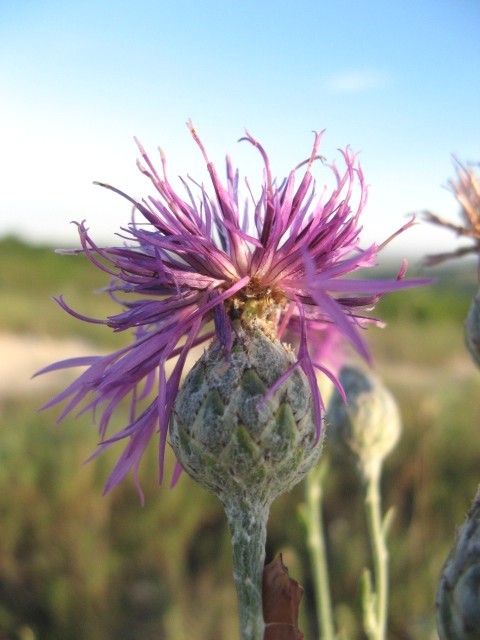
(231,440)
(457,601)
(472,329)
(368,426)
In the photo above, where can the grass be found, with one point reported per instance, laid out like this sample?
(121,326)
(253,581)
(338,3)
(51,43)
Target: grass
(29,278)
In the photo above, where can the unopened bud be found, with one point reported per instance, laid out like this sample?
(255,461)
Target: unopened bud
(472,329)
(231,440)
(457,602)
(368,426)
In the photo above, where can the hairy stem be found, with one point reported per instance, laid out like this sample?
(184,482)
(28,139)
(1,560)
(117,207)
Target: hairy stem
(317,549)
(379,553)
(248,528)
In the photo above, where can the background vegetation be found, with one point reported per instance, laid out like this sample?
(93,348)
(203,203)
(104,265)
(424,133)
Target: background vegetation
(78,566)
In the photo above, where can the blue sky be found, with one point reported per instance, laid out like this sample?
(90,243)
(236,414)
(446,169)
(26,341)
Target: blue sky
(398,81)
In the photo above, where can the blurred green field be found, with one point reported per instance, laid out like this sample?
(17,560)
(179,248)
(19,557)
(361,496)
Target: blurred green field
(78,566)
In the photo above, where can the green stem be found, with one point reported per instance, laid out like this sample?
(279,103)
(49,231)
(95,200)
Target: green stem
(248,528)
(379,553)
(317,550)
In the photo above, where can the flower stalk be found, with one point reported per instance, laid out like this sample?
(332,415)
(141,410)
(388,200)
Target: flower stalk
(313,520)
(376,603)
(247,520)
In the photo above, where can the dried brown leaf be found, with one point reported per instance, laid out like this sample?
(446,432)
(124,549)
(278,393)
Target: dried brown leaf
(281,602)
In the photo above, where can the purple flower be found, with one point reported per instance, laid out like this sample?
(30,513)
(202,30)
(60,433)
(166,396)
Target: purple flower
(196,263)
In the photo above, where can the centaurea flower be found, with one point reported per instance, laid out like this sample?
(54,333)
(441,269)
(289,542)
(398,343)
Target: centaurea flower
(466,189)
(198,263)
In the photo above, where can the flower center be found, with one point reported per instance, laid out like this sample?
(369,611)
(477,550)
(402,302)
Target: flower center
(257,301)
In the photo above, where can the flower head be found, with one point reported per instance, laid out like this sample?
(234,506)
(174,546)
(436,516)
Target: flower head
(472,329)
(457,610)
(466,189)
(367,428)
(198,263)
